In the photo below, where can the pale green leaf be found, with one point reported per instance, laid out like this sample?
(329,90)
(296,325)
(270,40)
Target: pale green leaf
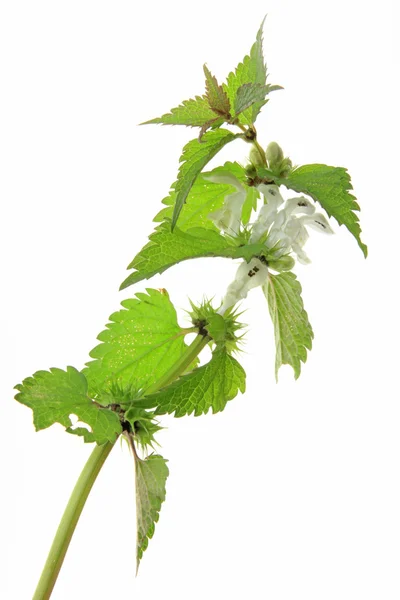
(56,394)
(192,113)
(206,197)
(141,342)
(330,187)
(293,332)
(151,476)
(194,158)
(167,248)
(208,386)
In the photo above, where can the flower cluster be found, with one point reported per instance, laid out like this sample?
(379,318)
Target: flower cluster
(281,225)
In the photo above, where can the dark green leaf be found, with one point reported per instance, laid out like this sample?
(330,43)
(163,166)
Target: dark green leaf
(55,395)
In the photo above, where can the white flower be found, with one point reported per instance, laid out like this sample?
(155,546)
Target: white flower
(229,217)
(249,275)
(286,232)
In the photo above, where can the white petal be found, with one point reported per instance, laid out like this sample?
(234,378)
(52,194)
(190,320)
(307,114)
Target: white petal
(226,178)
(301,204)
(301,255)
(319,222)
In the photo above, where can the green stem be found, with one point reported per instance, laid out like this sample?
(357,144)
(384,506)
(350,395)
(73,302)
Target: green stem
(181,364)
(69,520)
(88,476)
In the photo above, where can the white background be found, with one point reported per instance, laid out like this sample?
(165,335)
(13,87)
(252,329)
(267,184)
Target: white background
(293,491)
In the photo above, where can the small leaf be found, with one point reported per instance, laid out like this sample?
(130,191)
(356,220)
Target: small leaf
(330,187)
(209,386)
(151,477)
(194,158)
(251,70)
(56,394)
(216,95)
(141,342)
(166,249)
(192,113)
(293,332)
(249,94)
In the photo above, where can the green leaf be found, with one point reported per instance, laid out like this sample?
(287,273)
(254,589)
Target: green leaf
(56,394)
(249,94)
(293,332)
(195,156)
(251,70)
(151,477)
(216,96)
(208,386)
(330,187)
(206,197)
(141,342)
(192,113)
(166,249)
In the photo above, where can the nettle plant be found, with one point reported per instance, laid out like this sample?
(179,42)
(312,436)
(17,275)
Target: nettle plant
(143,368)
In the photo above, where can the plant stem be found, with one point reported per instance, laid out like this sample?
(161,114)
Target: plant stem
(88,476)
(69,520)
(181,364)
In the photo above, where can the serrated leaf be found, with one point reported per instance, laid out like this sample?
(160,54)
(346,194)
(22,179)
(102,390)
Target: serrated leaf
(330,187)
(293,332)
(194,158)
(192,113)
(251,70)
(216,95)
(166,249)
(56,394)
(141,342)
(151,476)
(209,386)
(249,94)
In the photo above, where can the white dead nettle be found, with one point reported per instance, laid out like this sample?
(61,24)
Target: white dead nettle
(286,233)
(229,217)
(249,275)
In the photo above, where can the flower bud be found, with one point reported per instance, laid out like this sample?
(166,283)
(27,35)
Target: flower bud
(284,263)
(285,167)
(274,154)
(255,158)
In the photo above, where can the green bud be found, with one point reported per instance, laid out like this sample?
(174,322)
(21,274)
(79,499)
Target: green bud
(285,167)
(284,263)
(274,154)
(250,171)
(255,158)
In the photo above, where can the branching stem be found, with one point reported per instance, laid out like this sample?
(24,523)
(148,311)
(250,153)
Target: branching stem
(88,476)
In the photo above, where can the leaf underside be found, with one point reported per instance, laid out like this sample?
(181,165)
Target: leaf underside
(151,476)
(56,394)
(293,332)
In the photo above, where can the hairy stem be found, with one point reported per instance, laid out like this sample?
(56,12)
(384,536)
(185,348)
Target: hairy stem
(88,476)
